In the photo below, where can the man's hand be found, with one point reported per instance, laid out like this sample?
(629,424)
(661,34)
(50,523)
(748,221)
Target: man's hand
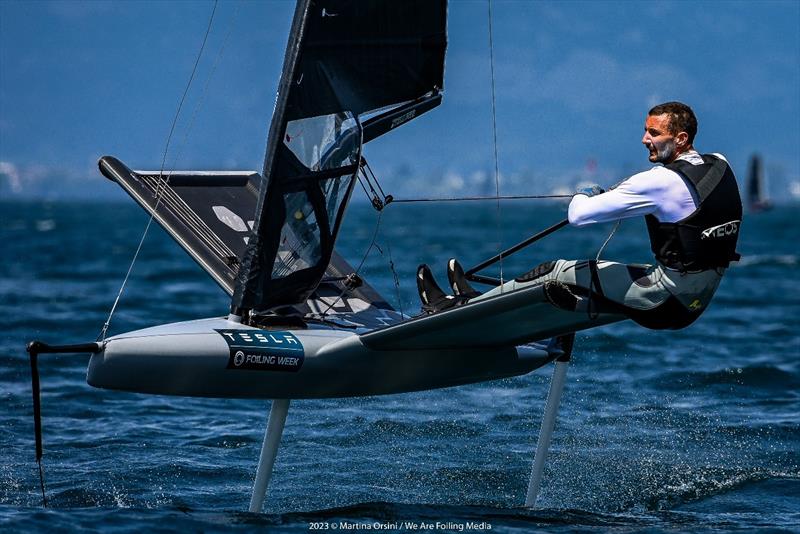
(590,191)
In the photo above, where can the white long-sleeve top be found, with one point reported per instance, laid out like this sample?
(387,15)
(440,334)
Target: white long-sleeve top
(658,191)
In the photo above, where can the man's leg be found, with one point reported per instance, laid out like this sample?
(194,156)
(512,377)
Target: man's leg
(652,296)
(632,286)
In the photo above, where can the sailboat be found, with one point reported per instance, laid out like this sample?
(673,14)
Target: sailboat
(303,323)
(757,196)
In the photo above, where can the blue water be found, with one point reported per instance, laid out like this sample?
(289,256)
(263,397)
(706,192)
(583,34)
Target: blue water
(694,430)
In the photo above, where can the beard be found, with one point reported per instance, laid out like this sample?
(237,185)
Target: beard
(662,153)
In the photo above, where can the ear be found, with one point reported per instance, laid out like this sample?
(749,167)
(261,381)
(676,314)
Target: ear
(682,139)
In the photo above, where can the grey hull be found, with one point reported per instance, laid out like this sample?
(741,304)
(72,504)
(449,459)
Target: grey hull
(194,359)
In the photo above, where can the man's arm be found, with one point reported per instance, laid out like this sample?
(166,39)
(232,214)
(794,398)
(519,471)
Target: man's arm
(637,196)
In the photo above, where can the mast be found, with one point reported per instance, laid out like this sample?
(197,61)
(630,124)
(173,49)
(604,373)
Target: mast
(248,277)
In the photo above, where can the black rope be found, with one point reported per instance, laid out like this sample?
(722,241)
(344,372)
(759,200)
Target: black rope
(361,181)
(378,201)
(463,199)
(374,178)
(373,198)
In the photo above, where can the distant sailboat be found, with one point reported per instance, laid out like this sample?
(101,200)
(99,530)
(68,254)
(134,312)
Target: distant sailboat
(757,197)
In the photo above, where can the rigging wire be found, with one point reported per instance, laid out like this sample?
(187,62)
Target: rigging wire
(379,205)
(369,174)
(373,244)
(396,281)
(361,177)
(603,246)
(360,181)
(365,174)
(464,199)
(494,133)
(594,314)
(186,90)
(102,335)
(204,91)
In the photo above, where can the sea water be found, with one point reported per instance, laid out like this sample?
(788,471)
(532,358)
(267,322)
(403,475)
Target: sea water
(692,430)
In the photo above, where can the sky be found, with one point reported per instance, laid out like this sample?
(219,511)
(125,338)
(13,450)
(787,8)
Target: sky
(574,81)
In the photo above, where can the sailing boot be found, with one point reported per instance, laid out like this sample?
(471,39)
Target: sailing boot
(432,297)
(458,281)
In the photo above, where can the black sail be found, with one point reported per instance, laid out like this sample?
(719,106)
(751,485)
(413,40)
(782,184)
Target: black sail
(353,70)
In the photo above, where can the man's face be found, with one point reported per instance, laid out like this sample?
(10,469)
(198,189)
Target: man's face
(658,139)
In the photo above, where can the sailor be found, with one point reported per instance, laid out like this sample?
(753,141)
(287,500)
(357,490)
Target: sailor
(693,211)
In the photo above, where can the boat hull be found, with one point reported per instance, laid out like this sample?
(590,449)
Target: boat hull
(218,358)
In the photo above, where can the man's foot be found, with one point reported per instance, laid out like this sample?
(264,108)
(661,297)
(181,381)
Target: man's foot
(432,297)
(458,282)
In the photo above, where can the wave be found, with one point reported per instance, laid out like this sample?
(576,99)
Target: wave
(695,485)
(373,516)
(445,517)
(768,259)
(435,427)
(756,376)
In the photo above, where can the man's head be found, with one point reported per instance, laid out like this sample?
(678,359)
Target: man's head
(669,131)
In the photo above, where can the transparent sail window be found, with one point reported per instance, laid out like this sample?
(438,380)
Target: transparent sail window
(300,246)
(335,191)
(324,142)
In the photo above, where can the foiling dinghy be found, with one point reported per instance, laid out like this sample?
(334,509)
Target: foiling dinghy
(303,323)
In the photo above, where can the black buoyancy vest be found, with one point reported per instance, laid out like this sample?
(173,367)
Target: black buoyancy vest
(706,239)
